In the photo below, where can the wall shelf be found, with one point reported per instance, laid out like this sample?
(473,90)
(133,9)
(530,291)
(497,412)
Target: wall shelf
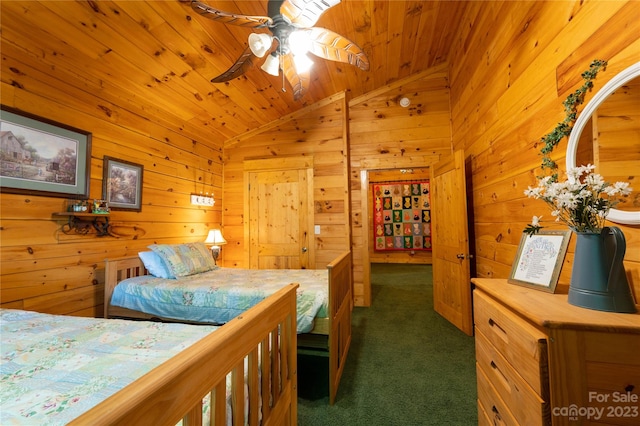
(82,223)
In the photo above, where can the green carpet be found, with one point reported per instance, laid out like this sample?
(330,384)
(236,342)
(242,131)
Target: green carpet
(406,366)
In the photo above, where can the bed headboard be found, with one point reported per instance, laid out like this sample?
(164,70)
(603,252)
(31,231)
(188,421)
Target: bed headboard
(116,270)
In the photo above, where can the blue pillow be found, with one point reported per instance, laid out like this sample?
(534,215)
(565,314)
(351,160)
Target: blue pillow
(185,259)
(155,265)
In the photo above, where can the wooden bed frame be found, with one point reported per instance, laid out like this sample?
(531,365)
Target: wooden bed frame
(331,335)
(174,390)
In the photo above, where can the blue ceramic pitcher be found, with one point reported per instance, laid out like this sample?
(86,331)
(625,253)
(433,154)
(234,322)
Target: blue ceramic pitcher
(598,279)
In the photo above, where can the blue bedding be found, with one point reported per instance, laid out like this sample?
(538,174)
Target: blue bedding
(220,295)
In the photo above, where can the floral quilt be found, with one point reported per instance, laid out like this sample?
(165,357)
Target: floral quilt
(220,295)
(54,368)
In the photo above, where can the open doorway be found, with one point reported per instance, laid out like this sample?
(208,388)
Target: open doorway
(369,254)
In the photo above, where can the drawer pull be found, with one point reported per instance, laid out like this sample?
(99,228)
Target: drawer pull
(503,378)
(501,331)
(497,418)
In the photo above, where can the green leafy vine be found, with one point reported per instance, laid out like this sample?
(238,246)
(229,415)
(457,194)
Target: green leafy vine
(563,129)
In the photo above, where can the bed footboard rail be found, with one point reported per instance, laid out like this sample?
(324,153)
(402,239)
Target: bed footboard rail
(340,307)
(263,341)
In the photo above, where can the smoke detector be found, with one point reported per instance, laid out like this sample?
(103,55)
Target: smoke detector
(405,102)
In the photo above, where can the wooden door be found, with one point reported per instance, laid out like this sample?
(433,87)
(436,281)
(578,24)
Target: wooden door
(280,219)
(450,234)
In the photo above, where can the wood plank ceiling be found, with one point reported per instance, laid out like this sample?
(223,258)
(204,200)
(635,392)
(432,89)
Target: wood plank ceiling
(162,55)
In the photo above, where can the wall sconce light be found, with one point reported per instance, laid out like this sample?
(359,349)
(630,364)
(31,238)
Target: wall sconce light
(216,239)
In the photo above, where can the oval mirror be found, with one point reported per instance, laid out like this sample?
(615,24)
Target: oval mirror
(607,134)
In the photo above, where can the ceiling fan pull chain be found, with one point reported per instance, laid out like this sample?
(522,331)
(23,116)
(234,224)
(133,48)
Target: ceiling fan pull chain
(283,88)
(282,66)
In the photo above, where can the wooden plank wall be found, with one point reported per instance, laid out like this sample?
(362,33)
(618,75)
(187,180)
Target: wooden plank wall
(382,136)
(317,131)
(512,66)
(48,271)
(617,144)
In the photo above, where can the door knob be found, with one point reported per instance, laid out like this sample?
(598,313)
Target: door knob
(304,249)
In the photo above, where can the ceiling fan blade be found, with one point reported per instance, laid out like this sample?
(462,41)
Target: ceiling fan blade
(230,18)
(243,63)
(334,47)
(305,13)
(299,81)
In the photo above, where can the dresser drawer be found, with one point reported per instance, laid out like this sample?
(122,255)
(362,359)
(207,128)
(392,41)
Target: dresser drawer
(483,417)
(526,406)
(520,344)
(491,404)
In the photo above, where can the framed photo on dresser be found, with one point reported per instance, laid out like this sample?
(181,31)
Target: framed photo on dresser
(539,260)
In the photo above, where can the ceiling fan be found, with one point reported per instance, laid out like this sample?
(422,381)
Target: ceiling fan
(291,25)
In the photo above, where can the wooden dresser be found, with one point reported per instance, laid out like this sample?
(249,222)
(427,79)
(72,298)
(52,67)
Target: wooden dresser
(540,360)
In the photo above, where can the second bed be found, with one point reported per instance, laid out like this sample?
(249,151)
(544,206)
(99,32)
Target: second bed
(324,300)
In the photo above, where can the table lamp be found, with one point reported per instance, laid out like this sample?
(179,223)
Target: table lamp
(216,239)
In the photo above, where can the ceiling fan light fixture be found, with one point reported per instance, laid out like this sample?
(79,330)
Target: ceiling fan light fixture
(299,42)
(302,63)
(292,24)
(260,44)
(271,65)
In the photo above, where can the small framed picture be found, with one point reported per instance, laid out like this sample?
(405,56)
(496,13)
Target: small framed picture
(100,207)
(539,260)
(122,184)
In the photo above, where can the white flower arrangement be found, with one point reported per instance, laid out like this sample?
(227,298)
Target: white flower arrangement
(582,202)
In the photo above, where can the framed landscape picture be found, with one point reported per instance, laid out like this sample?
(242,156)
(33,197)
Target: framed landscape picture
(122,184)
(43,157)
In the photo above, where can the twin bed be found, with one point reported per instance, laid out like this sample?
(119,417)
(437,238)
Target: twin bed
(71,370)
(216,295)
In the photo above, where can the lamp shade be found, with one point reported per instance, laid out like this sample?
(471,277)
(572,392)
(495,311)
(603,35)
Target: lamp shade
(271,65)
(259,43)
(215,238)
